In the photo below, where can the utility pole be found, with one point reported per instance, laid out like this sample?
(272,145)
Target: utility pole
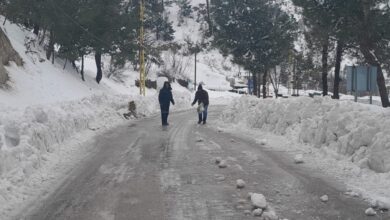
(289,79)
(294,77)
(196,52)
(142,49)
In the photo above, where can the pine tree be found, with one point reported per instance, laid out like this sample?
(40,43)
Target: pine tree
(156,19)
(258,34)
(166,29)
(362,24)
(372,30)
(319,21)
(80,27)
(185,9)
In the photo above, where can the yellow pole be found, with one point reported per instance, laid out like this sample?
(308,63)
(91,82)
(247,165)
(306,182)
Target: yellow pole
(142,49)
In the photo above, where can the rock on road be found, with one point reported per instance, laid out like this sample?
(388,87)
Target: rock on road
(144,172)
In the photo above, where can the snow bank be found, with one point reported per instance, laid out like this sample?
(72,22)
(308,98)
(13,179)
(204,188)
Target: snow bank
(28,135)
(359,132)
(222,98)
(34,140)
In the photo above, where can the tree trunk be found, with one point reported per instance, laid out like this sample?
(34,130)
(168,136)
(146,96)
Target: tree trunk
(265,85)
(160,10)
(325,48)
(66,62)
(42,38)
(36,29)
(209,18)
(339,54)
(258,86)
(274,85)
(372,60)
(368,51)
(74,65)
(3,75)
(50,47)
(293,76)
(255,84)
(98,60)
(82,67)
(157,33)
(52,56)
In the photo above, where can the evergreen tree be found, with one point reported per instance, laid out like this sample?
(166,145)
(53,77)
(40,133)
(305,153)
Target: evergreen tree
(156,20)
(185,9)
(79,27)
(319,21)
(210,23)
(362,24)
(257,33)
(159,30)
(370,24)
(166,29)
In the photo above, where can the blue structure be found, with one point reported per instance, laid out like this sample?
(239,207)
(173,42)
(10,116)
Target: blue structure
(250,86)
(361,79)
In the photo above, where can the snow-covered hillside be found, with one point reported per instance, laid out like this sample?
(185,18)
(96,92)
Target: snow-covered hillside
(212,67)
(41,82)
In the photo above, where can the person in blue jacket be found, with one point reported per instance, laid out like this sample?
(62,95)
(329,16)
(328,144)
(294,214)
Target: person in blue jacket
(165,98)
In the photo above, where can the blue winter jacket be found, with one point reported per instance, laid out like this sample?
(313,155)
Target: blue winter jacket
(165,98)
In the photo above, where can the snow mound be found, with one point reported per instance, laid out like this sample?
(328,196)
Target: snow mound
(27,135)
(31,133)
(356,131)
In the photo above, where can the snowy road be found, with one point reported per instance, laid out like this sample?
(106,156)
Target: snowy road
(143,172)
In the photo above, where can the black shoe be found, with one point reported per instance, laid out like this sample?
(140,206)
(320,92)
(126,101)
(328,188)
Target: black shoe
(204,122)
(199,122)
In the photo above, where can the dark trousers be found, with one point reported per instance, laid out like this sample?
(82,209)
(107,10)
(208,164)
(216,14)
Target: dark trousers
(164,117)
(203,115)
(164,114)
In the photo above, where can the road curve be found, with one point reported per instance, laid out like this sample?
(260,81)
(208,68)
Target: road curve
(144,172)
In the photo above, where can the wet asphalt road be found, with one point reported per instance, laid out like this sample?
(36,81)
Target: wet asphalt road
(144,172)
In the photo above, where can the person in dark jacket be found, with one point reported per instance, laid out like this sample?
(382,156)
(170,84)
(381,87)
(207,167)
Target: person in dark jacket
(202,97)
(165,98)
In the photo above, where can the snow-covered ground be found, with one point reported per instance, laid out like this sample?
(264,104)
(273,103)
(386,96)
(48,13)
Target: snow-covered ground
(347,140)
